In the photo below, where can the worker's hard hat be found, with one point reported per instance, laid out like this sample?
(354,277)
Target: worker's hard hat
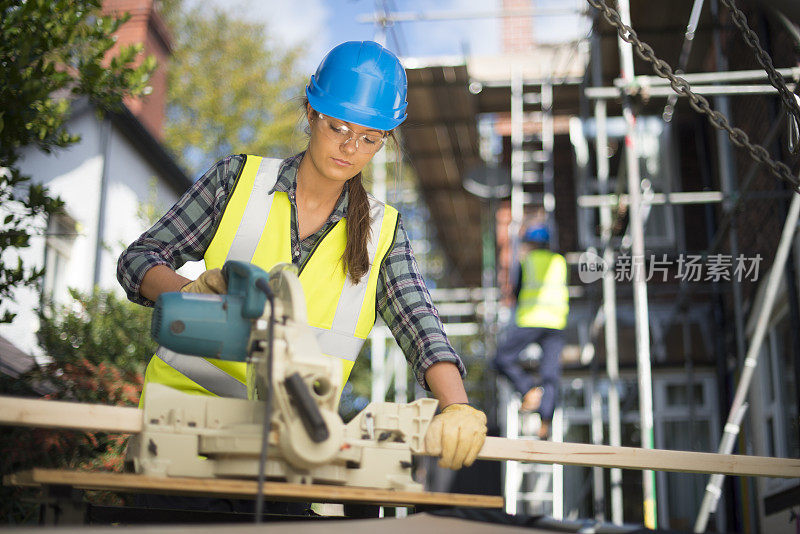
(360,82)
(537,233)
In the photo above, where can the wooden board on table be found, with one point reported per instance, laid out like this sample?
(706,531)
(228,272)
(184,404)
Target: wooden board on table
(80,416)
(232,488)
(635,458)
(40,413)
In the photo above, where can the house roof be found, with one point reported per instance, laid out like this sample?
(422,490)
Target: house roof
(145,142)
(13,361)
(140,137)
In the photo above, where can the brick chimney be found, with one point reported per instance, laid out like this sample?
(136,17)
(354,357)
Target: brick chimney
(517,31)
(145,26)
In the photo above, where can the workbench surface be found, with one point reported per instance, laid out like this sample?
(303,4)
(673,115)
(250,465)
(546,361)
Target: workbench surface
(233,488)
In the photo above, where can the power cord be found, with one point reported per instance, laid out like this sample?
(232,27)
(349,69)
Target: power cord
(262,285)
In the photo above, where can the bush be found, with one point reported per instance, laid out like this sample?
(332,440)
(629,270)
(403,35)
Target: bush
(98,348)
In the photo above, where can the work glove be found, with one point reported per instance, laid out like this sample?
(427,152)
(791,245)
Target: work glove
(211,281)
(457,434)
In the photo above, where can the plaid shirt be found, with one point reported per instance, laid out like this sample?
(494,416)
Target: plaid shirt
(185,232)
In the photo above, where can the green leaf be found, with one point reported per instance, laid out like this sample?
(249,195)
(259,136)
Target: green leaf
(39,38)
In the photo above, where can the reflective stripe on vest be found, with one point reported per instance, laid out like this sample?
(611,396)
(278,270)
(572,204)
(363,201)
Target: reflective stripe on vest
(544,298)
(256,211)
(203,373)
(255,227)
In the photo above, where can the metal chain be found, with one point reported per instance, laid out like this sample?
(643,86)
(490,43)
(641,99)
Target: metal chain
(697,102)
(750,37)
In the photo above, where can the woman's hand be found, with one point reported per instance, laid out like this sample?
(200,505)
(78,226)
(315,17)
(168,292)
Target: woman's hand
(162,279)
(457,434)
(211,281)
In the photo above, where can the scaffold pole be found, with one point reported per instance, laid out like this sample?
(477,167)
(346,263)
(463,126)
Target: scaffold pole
(638,278)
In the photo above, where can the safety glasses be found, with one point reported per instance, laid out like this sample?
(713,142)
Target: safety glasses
(339,132)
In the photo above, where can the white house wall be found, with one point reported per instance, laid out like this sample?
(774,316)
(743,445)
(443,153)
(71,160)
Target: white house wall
(130,185)
(74,174)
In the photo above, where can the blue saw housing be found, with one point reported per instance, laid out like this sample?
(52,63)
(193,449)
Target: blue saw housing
(213,326)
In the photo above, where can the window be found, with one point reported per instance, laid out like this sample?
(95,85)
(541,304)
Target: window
(657,158)
(681,492)
(779,397)
(685,419)
(676,402)
(61,232)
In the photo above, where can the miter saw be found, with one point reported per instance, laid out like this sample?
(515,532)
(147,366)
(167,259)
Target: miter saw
(203,436)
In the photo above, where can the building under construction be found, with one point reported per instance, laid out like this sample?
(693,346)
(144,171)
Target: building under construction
(660,150)
(625,171)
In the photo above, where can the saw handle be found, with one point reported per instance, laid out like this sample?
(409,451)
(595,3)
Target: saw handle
(304,403)
(242,278)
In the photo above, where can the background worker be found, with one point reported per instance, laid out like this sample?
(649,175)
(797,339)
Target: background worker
(353,256)
(542,305)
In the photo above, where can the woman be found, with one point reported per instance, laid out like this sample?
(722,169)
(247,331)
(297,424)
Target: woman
(312,210)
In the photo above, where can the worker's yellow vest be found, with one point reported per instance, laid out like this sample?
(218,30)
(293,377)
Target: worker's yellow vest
(255,227)
(544,298)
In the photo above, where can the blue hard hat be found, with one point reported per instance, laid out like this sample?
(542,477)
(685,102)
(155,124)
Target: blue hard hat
(360,82)
(537,233)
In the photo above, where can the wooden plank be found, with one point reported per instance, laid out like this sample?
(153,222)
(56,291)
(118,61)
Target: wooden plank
(18,411)
(81,416)
(634,458)
(244,489)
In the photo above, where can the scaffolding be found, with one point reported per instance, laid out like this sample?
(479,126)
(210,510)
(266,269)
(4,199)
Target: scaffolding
(654,87)
(625,88)
(640,197)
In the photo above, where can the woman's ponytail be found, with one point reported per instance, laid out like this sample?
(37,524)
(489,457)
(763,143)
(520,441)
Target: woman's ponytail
(356,259)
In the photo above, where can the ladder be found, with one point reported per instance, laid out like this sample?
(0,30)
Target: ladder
(529,488)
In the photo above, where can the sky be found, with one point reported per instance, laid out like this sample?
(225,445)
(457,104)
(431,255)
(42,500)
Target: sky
(321,24)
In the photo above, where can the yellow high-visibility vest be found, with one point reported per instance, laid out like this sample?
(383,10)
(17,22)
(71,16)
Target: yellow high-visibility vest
(544,297)
(255,227)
